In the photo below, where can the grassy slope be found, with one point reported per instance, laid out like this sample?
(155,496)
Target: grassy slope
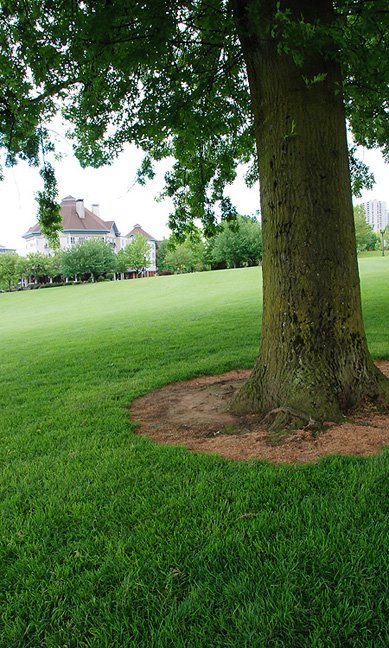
(109,540)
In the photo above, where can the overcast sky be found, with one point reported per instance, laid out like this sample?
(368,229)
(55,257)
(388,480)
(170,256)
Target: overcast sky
(119,198)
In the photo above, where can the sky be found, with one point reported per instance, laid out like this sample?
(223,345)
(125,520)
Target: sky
(120,198)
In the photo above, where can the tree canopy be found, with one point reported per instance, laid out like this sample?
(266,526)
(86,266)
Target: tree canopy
(171,78)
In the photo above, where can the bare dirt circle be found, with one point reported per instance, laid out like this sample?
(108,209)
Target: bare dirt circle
(194,414)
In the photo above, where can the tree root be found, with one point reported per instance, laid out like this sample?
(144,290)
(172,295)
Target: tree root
(287,418)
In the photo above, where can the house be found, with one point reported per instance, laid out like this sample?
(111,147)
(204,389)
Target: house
(5,249)
(80,224)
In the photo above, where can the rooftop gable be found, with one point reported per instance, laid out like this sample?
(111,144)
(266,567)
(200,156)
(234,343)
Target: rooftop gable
(72,222)
(112,225)
(137,229)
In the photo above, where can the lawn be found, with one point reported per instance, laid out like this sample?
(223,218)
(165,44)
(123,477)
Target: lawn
(108,540)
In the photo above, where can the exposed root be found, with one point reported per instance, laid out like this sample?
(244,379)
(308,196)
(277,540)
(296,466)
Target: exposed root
(287,418)
(194,415)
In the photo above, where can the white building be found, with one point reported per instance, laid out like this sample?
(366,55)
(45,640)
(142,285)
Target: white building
(80,224)
(376,214)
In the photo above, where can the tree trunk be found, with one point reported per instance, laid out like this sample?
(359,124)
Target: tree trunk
(313,356)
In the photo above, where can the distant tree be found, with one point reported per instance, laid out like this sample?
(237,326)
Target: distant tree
(9,270)
(92,258)
(162,250)
(189,256)
(22,269)
(121,262)
(179,259)
(364,234)
(374,242)
(137,252)
(54,265)
(239,244)
(71,262)
(36,266)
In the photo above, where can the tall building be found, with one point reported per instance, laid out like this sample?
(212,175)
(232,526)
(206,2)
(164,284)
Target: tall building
(376,214)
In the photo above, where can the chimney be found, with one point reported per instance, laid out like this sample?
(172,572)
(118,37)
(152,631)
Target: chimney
(80,209)
(96,209)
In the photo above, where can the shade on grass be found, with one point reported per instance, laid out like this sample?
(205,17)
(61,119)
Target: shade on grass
(110,540)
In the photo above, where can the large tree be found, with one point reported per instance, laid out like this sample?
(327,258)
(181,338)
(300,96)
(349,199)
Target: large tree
(215,83)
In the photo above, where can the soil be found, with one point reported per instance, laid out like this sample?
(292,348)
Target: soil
(194,414)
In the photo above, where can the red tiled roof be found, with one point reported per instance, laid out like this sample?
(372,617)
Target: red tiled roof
(138,230)
(71,221)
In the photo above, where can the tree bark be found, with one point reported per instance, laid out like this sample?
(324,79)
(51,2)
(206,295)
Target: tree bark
(313,355)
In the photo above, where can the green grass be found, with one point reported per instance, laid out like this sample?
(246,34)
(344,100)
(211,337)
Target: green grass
(368,254)
(110,540)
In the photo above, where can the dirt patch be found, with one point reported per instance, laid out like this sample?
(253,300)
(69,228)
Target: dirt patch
(194,414)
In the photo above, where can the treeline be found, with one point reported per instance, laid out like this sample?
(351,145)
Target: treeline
(239,244)
(235,245)
(91,260)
